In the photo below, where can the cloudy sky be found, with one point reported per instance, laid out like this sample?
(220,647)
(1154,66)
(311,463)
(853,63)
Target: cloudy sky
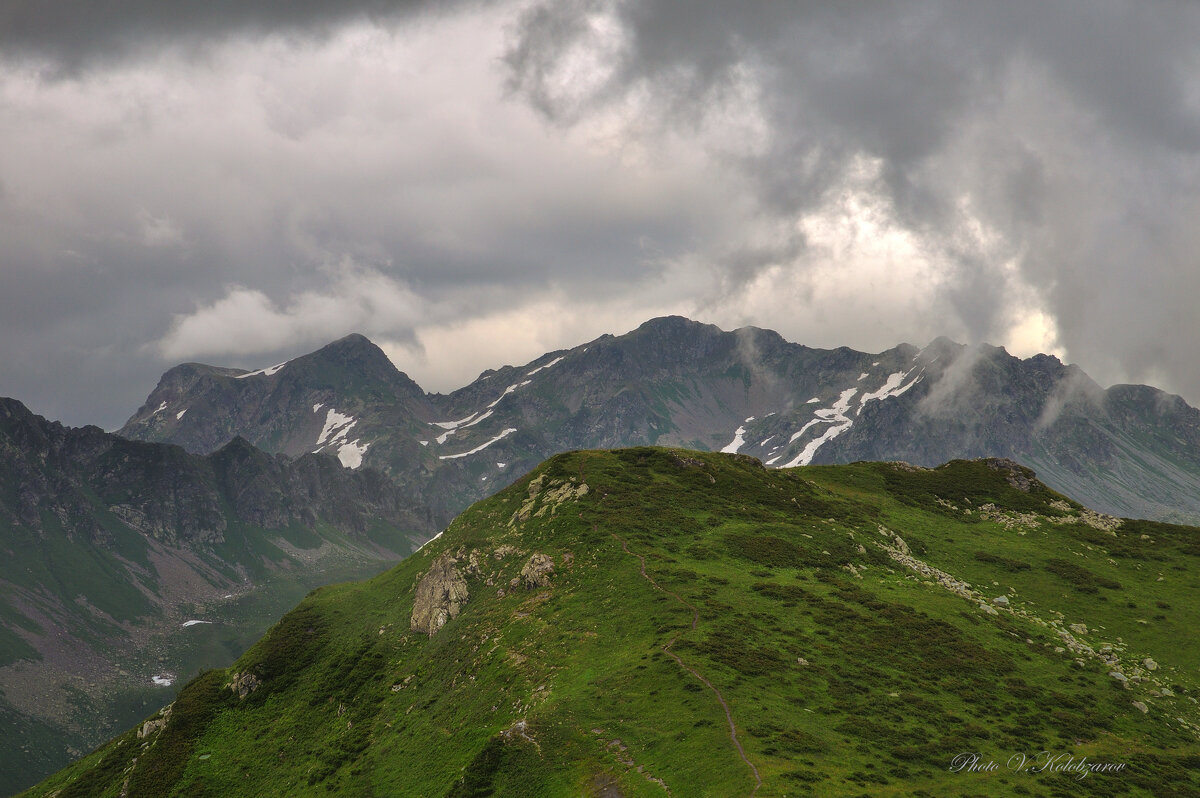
(474,183)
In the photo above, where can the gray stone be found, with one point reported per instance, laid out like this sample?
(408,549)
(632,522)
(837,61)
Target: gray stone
(441,593)
(243,683)
(536,572)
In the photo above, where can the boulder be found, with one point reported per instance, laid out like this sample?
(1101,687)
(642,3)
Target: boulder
(243,683)
(441,593)
(536,572)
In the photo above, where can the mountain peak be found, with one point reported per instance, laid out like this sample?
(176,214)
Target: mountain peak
(675,325)
(354,345)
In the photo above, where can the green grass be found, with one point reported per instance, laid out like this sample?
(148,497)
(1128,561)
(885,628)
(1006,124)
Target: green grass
(845,672)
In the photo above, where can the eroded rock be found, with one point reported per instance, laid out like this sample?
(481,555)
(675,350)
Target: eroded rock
(157,724)
(243,683)
(503,551)
(536,572)
(441,594)
(1015,474)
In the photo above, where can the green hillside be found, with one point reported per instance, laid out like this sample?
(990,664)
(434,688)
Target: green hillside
(654,621)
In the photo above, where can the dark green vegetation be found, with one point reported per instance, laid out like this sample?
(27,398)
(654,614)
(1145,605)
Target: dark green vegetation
(844,616)
(109,546)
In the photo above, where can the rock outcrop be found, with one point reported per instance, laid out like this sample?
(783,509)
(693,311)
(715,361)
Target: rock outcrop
(536,572)
(441,593)
(243,683)
(155,724)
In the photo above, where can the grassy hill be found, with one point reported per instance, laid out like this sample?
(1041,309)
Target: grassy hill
(655,621)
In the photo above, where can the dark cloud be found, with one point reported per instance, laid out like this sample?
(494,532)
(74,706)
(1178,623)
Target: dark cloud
(476,182)
(70,36)
(1067,131)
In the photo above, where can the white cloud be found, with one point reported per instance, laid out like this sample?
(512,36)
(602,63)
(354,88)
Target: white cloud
(759,169)
(449,354)
(246,321)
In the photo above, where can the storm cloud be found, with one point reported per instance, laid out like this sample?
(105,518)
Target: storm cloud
(474,183)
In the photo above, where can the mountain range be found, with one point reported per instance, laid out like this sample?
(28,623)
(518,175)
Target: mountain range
(1127,450)
(140,557)
(649,622)
(130,564)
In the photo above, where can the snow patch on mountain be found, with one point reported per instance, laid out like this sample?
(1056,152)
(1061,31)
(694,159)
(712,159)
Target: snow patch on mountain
(335,422)
(179,415)
(838,421)
(507,391)
(453,425)
(426,543)
(802,430)
(159,409)
(548,365)
(737,442)
(479,448)
(335,434)
(351,453)
(894,386)
(267,372)
(476,421)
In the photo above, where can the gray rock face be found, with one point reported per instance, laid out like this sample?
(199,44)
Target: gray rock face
(154,531)
(173,497)
(537,571)
(441,593)
(675,382)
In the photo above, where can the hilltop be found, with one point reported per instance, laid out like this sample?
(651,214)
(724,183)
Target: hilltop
(655,621)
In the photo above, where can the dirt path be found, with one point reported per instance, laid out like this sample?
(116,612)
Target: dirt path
(667,648)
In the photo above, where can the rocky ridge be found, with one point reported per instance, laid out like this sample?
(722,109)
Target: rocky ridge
(1126,450)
